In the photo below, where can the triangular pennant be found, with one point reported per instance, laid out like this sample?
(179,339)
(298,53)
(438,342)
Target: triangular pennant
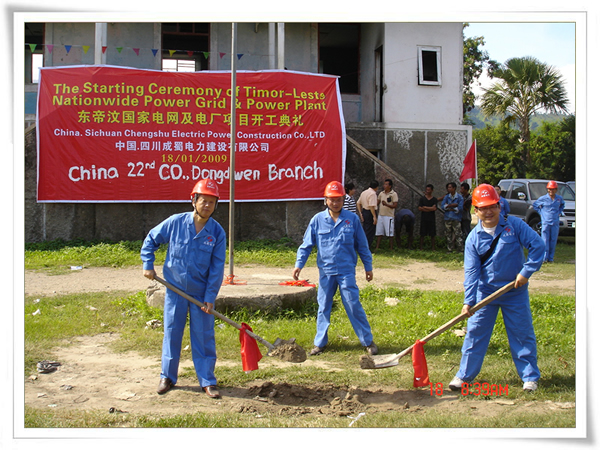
(239,55)
(154,51)
(119,49)
(32,47)
(68,48)
(85,48)
(190,53)
(104,47)
(50,47)
(221,54)
(137,51)
(171,52)
(206,54)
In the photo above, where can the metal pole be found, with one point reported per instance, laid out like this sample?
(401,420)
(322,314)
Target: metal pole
(232,149)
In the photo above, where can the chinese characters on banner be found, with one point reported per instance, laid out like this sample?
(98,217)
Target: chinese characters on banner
(113,134)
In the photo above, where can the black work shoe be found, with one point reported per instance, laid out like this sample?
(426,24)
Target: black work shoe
(316,351)
(164,386)
(372,349)
(212,391)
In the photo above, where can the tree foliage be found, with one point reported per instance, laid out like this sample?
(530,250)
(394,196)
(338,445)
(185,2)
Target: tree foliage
(475,61)
(500,152)
(525,87)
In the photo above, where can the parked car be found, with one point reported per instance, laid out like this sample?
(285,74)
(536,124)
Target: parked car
(571,185)
(521,193)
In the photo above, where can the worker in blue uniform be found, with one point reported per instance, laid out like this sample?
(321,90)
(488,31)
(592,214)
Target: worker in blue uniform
(195,263)
(338,236)
(494,256)
(550,206)
(504,205)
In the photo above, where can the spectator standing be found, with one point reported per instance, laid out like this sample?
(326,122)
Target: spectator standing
(465,223)
(367,210)
(504,205)
(338,236)
(452,205)
(550,206)
(349,202)
(195,262)
(494,256)
(428,207)
(404,217)
(387,202)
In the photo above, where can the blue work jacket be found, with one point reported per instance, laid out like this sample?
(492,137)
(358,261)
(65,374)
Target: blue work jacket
(549,210)
(337,243)
(454,213)
(195,263)
(507,261)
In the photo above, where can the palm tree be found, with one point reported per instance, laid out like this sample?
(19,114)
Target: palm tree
(526,86)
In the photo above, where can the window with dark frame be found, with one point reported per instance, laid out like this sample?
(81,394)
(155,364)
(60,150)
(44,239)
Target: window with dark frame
(430,72)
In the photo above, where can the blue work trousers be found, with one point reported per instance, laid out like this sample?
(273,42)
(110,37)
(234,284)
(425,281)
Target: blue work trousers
(202,337)
(550,236)
(328,284)
(519,329)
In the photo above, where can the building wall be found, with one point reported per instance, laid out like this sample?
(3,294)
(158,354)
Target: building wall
(406,102)
(421,138)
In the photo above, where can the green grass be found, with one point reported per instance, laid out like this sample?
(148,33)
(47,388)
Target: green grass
(395,328)
(59,255)
(417,313)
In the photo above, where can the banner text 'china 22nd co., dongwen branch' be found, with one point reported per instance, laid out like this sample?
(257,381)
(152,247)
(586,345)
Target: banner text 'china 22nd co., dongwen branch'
(112,134)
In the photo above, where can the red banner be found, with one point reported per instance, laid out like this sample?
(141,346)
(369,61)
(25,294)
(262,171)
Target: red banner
(113,134)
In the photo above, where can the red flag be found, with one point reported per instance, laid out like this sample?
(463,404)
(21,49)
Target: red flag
(470,165)
(421,375)
(251,354)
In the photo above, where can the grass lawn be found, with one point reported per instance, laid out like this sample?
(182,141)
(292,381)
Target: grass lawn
(416,314)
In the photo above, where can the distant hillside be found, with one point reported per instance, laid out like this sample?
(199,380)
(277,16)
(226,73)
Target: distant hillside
(480,121)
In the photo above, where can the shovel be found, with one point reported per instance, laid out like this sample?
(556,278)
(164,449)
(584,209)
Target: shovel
(382,361)
(296,352)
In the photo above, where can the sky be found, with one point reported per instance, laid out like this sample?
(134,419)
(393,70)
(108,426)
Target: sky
(551,43)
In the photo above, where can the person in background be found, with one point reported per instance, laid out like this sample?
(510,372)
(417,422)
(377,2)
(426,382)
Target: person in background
(428,207)
(406,218)
(465,223)
(349,202)
(338,236)
(550,206)
(504,205)
(367,210)
(494,257)
(452,205)
(387,202)
(195,263)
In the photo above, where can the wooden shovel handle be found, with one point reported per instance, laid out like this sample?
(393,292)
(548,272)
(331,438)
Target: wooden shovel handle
(213,311)
(490,298)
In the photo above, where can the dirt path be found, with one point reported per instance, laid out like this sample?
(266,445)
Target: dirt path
(417,275)
(93,377)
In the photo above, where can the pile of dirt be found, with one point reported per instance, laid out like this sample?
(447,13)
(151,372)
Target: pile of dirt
(288,351)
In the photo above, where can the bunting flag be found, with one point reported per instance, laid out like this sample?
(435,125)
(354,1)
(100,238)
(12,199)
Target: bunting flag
(470,164)
(138,50)
(421,375)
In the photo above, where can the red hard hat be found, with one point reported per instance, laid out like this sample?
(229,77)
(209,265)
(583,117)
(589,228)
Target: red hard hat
(206,187)
(484,195)
(334,189)
(552,185)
